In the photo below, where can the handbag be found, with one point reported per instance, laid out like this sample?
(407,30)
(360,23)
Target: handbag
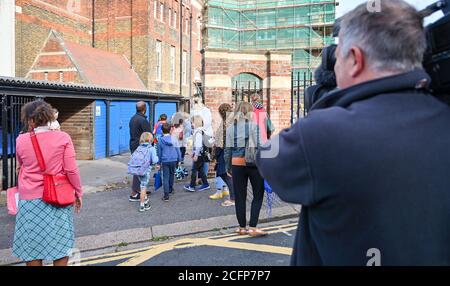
(158,180)
(12,200)
(58,191)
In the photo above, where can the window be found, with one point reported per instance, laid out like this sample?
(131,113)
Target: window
(46,76)
(170,17)
(158,60)
(184,67)
(186,26)
(155,9)
(172,64)
(175,19)
(61,76)
(162,13)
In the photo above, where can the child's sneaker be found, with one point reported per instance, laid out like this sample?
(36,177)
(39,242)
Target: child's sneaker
(204,188)
(135,198)
(145,206)
(217,196)
(225,192)
(166,198)
(189,188)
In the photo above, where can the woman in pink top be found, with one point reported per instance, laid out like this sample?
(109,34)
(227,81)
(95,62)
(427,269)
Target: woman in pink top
(44,232)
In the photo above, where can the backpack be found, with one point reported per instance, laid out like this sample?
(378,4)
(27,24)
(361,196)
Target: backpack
(158,129)
(206,152)
(140,161)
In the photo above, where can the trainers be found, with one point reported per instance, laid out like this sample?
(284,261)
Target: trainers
(225,192)
(135,198)
(204,188)
(216,196)
(166,198)
(145,206)
(189,188)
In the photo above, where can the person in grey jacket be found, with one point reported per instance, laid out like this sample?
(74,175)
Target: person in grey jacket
(242,134)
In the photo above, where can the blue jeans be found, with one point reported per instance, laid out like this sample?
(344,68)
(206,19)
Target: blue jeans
(219,183)
(168,172)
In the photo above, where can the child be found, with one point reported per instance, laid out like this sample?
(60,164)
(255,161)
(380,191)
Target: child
(198,161)
(169,156)
(141,165)
(54,125)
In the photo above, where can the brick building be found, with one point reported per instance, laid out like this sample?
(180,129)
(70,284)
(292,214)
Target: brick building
(151,45)
(146,32)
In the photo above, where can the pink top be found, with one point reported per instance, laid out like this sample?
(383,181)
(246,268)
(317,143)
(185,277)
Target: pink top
(59,156)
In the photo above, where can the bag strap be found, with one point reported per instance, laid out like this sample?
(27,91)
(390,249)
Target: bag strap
(37,151)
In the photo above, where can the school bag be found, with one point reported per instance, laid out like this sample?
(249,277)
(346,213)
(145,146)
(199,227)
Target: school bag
(207,142)
(140,161)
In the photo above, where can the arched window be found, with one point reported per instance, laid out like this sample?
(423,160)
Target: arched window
(244,85)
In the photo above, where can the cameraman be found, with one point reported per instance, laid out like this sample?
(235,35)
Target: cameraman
(370,162)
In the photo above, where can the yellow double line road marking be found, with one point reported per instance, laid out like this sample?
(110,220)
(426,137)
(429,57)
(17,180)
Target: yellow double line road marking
(139,256)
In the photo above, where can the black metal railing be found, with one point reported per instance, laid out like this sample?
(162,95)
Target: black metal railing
(244,91)
(11,127)
(300,81)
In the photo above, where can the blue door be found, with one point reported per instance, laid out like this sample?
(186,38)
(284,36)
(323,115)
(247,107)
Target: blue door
(100,129)
(114,127)
(127,110)
(168,108)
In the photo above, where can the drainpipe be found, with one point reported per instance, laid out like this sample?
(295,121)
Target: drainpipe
(131,35)
(181,47)
(190,55)
(93,23)
(108,125)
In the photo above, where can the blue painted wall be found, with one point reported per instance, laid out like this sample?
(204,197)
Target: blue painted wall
(169,108)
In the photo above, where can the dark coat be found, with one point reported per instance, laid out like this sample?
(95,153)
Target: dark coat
(370,167)
(138,125)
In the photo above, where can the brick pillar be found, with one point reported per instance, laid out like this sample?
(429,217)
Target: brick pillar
(278,86)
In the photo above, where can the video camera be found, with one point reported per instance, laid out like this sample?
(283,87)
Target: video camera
(437,56)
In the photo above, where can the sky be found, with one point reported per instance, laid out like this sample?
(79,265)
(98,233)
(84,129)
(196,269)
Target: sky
(347,5)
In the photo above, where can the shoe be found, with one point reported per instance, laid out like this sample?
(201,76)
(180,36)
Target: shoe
(216,196)
(227,203)
(189,188)
(256,232)
(225,192)
(135,198)
(204,188)
(166,198)
(171,191)
(145,206)
(241,231)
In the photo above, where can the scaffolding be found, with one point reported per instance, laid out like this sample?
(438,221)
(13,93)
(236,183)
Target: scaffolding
(303,27)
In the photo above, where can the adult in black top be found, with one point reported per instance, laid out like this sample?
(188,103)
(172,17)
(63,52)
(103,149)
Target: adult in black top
(138,125)
(370,163)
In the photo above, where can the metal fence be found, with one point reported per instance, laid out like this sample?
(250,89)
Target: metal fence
(10,128)
(244,92)
(300,81)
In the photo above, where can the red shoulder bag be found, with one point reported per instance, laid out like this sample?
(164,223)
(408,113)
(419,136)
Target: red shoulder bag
(58,191)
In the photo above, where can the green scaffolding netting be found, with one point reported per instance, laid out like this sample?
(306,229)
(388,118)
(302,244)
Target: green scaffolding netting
(297,25)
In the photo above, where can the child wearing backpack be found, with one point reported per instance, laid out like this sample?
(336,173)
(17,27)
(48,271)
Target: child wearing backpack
(200,156)
(140,164)
(169,155)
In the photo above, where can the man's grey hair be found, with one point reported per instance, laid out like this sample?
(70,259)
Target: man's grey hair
(392,39)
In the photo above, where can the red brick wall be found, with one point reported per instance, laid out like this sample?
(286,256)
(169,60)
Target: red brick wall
(76,118)
(272,68)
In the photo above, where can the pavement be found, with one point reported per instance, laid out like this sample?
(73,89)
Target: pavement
(108,219)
